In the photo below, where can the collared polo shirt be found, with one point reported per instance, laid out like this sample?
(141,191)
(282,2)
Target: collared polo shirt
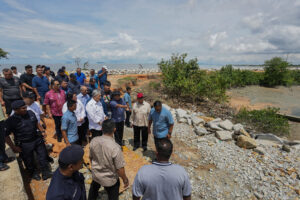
(127,99)
(106,158)
(10,88)
(69,124)
(162,181)
(56,101)
(41,84)
(83,99)
(161,122)
(80,78)
(62,187)
(117,113)
(140,114)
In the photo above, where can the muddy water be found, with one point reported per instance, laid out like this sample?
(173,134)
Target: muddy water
(255,97)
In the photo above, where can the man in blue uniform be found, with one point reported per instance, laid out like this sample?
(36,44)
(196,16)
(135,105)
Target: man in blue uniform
(24,124)
(67,183)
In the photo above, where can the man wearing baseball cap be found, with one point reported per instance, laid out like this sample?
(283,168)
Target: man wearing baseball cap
(139,120)
(67,182)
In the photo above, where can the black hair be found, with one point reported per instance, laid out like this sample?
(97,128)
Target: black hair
(164,148)
(70,103)
(38,66)
(63,67)
(52,82)
(13,67)
(157,103)
(128,88)
(107,83)
(5,70)
(72,75)
(70,96)
(28,67)
(108,126)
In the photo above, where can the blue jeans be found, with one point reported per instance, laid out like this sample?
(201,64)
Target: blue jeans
(3,155)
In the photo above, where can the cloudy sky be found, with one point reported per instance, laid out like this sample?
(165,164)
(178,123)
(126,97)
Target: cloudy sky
(145,31)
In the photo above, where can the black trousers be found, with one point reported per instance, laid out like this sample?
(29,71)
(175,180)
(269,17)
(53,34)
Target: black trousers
(128,114)
(57,121)
(96,133)
(137,131)
(3,155)
(81,134)
(28,149)
(8,103)
(119,132)
(113,191)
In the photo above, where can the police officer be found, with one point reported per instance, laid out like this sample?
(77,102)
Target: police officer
(24,124)
(67,183)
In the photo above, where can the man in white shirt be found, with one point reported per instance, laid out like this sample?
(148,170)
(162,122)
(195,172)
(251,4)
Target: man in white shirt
(95,114)
(15,72)
(139,119)
(80,115)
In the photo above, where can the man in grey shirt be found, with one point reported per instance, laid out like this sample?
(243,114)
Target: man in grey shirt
(162,179)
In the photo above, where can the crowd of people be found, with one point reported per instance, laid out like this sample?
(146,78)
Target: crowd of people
(86,111)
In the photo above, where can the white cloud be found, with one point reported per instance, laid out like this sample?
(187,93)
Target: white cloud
(217,37)
(16,5)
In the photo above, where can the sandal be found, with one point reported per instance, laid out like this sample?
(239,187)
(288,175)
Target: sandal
(9,159)
(3,167)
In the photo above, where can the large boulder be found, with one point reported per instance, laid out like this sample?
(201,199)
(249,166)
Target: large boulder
(227,125)
(201,131)
(214,126)
(224,135)
(246,142)
(180,113)
(237,127)
(196,120)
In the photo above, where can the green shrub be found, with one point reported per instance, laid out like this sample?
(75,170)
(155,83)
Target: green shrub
(265,120)
(276,72)
(154,85)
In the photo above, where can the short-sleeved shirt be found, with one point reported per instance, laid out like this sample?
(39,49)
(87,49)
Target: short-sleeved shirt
(117,114)
(80,78)
(162,181)
(161,122)
(103,78)
(41,84)
(69,124)
(106,158)
(23,127)
(27,78)
(56,101)
(127,99)
(74,87)
(62,187)
(10,88)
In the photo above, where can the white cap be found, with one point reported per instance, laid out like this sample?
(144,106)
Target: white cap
(105,67)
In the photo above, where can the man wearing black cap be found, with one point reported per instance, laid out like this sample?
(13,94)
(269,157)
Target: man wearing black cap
(118,107)
(67,183)
(61,76)
(24,124)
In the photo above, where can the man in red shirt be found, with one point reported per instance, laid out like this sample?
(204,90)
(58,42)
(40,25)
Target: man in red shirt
(54,101)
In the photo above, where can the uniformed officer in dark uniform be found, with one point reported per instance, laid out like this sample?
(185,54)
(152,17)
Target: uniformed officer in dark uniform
(23,124)
(67,183)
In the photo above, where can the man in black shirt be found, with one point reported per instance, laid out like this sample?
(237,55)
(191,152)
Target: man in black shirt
(24,124)
(61,76)
(106,95)
(10,89)
(73,85)
(26,79)
(67,183)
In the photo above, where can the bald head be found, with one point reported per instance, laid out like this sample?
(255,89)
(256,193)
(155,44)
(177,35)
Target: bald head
(83,90)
